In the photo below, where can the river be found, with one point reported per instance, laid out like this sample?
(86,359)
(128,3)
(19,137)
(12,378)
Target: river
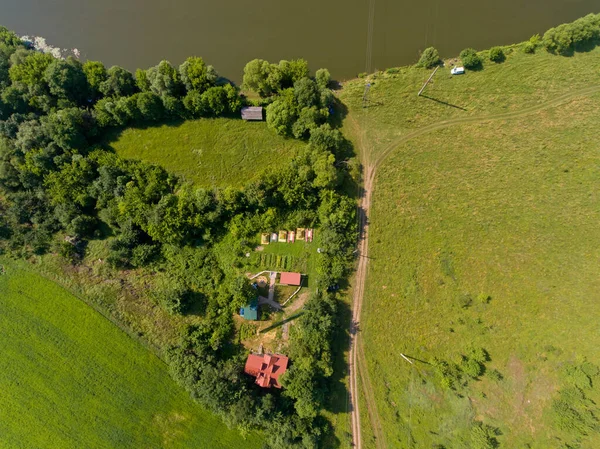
(346,36)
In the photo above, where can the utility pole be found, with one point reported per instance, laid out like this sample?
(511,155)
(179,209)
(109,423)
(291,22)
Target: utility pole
(427,82)
(366,95)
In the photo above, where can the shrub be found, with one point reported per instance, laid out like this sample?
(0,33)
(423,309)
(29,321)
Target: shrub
(497,54)
(392,71)
(529,47)
(483,437)
(429,58)
(362,74)
(471,367)
(495,375)
(470,58)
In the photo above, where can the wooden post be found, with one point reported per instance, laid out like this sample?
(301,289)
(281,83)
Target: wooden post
(427,82)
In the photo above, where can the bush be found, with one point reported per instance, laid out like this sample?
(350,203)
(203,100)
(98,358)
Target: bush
(471,367)
(392,71)
(495,375)
(529,47)
(429,58)
(470,59)
(497,54)
(483,437)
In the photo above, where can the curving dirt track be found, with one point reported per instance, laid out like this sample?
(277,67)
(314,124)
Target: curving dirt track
(364,206)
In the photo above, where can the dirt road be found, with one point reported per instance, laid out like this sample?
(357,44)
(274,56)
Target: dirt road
(364,206)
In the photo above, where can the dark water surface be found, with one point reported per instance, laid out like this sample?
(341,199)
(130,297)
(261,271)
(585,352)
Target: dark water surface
(333,34)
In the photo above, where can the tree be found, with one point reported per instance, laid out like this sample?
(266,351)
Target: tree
(292,71)
(323,78)
(214,100)
(150,106)
(326,175)
(95,73)
(309,119)
(470,58)
(429,58)
(196,75)
(66,128)
(193,103)
(66,79)
(281,114)
(119,83)
(29,67)
(262,77)
(141,80)
(306,92)
(326,138)
(31,135)
(497,54)
(164,80)
(234,102)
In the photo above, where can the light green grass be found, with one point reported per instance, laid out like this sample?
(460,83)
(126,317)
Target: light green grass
(69,378)
(209,152)
(506,209)
(523,80)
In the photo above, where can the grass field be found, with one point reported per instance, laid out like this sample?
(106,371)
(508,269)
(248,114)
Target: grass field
(210,152)
(522,81)
(69,378)
(486,235)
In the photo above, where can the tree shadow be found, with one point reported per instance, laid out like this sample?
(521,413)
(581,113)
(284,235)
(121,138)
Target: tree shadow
(337,400)
(282,322)
(443,102)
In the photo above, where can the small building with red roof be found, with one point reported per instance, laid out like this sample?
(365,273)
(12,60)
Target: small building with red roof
(266,368)
(290,278)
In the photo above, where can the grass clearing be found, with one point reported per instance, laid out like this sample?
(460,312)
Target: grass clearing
(523,80)
(494,245)
(216,152)
(69,378)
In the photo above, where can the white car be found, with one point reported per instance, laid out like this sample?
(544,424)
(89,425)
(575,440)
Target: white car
(458,71)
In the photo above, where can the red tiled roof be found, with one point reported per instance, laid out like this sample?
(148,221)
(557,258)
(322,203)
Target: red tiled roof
(266,368)
(290,278)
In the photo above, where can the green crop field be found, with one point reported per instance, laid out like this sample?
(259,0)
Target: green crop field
(69,378)
(210,152)
(485,235)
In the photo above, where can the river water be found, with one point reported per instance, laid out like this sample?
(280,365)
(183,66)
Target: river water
(346,36)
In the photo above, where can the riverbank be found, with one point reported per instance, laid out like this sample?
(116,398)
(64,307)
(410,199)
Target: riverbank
(480,195)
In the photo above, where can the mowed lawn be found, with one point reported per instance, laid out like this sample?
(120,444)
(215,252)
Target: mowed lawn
(209,152)
(70,379)
(486,236)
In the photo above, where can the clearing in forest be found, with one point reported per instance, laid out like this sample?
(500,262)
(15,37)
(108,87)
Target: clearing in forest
(216,152)
(69,378)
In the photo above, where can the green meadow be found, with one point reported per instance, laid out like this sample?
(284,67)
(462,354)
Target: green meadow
(485,236)
(209,152)
(69,378)
(394,111)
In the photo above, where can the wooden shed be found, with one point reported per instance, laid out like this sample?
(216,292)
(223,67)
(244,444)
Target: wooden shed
(252,113)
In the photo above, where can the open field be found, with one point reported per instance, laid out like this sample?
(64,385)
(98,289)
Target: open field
(522,81)
(485,235)
(69,378)
(209,152)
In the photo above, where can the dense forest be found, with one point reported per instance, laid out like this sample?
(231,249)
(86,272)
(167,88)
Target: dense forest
(59,188)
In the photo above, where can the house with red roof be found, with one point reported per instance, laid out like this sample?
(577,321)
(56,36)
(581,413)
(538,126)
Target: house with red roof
(266,368)
(290,278)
